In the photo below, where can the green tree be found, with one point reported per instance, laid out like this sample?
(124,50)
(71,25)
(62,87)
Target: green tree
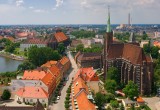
(6,95)
(100,100)
(154,52)
(109,97)
(61,48)
(10,48)
(114,103)
(131,90)
(26,66)
(147,48)
(39,56)
(80,47)
(113,74)
(110,86)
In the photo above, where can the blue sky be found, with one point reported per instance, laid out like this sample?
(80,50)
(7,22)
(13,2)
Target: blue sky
(78,11)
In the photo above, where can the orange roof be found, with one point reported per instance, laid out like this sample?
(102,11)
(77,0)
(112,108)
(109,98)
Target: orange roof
(1,37)
(22,34)
(32,92)
(78,85)
(87,74)
(140,100)
(84,103)
(33,75)
(10,38)
(60,36)
(156,43)
(49,64)
(64,60)
(49,81)
(54,70)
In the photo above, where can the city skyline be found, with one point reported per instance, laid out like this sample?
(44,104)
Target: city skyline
(78,11)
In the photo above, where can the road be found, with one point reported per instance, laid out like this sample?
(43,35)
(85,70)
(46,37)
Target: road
(60,103)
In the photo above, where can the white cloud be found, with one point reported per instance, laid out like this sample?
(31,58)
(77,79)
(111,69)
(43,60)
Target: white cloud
(40,11)
(59,3)
(19,2)
(31,7)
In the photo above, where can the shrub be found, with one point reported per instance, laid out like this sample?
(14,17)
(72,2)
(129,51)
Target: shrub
(114,103)
(66,106)
(6,95)
(67,98)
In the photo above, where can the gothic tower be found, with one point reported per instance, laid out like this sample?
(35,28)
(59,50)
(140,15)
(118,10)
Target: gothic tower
(108,40)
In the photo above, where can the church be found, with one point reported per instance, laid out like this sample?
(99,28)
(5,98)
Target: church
(130,60)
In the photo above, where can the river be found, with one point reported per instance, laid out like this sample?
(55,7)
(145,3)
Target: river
(7,64)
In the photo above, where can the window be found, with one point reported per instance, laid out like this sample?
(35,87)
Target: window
(31,100)
(43,100)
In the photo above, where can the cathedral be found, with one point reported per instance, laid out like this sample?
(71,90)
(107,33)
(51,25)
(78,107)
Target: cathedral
(129,59)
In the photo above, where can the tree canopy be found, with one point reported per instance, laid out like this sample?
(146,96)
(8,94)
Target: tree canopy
(83,34)
(39,56)
(26,66)
(100,100)
(110,86)
(80,47)
(6,95)
(131,90)
(61,48)
(113,74)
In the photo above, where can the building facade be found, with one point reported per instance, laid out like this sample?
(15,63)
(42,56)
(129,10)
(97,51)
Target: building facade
(130,60)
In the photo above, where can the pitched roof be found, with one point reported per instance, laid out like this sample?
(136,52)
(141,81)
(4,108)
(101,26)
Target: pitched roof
(1,37)
(78,85)
(33,75)
(60,36)
(87,74)
(89,56)
(54,70)
(84,103)
(64,60)
(35,41)
(32,92)
(48,80)
(128,51)
(49,64)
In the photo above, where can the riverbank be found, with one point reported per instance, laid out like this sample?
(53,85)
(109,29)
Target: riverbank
(12,56)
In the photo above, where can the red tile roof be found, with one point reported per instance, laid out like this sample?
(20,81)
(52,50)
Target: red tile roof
(130,52)
(33,75)
(36,41)
(54,70)
(32,92)
(87,74)
(64,60)
(49,64)
(60,37)
(84,103)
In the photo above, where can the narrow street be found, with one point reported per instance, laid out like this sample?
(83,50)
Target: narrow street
(60,103)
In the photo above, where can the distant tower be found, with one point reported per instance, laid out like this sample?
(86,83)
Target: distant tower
(108,40)
(129,20)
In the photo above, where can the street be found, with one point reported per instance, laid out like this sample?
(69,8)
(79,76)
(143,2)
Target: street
(60,103)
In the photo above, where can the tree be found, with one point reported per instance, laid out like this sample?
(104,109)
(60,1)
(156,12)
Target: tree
(10,48)
(26,66)
(131,90)
(110,86)
(80,47)
(154,52)
(147,48)
(114,103)
(61,48)
(109,97)
(39,56)
(6,95)
(113,74)
(99,99)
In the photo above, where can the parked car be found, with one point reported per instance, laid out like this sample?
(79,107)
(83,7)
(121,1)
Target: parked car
(67,78)
(58,97)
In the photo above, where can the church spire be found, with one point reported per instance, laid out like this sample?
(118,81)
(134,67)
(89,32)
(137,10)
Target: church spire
(108,22)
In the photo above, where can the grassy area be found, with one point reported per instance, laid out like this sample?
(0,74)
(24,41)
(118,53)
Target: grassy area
(20,53)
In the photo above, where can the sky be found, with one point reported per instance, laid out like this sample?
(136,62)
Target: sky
(78,11)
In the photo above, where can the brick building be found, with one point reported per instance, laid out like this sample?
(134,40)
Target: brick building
(88,59)
(130,60)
